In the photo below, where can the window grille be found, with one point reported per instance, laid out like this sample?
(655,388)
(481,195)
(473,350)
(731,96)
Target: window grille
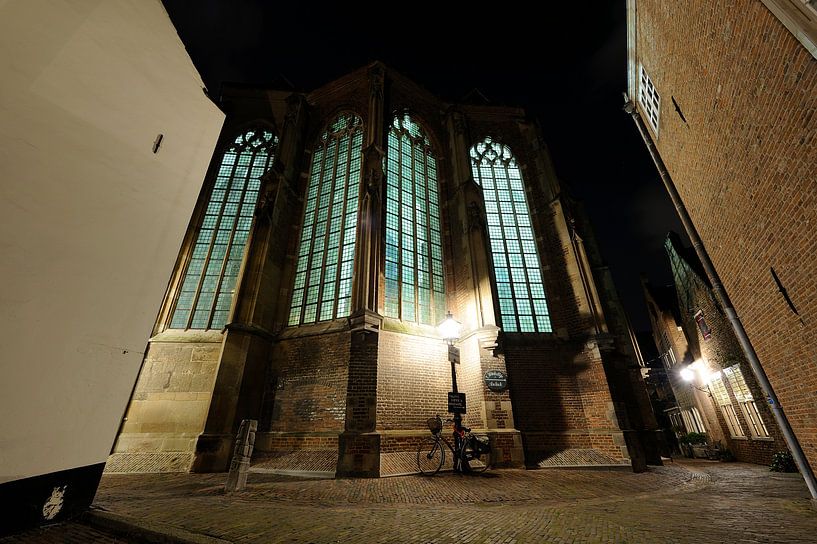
(721,396)
(519,285)
(323,278)
(746,401)
(649,99)
(414,274)
(206,292)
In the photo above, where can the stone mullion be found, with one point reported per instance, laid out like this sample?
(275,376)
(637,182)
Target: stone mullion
(342,241)
(328,230)
(233,230)
(200,283)
(415,150)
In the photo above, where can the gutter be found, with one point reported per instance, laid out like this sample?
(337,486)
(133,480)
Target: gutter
(723,297)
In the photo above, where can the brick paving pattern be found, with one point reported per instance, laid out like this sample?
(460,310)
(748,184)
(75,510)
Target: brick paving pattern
(65,533)
(683,502)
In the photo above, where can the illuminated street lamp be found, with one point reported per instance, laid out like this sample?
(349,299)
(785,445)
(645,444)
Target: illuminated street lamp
(689,375)
(449,330)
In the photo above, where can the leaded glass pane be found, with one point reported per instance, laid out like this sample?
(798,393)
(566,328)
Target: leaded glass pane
(328,236)
(209,280)
(523,307)
(414,271)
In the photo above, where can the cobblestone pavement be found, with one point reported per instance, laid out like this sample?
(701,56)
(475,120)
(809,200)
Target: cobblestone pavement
(66,533)
(683,502)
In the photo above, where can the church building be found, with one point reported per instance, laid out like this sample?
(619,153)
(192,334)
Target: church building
(334,231)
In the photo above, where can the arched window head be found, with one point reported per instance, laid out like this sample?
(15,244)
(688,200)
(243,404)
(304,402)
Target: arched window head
(415,285)
(207,289)
(323,277)
(522,304)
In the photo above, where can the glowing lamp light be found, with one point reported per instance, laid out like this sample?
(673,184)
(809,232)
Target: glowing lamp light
(449,329)
(687,374)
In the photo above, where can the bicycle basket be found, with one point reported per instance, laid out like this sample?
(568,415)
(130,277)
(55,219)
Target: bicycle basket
(435,424)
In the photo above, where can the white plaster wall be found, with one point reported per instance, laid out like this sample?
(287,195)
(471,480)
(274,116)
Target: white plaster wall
(90,219)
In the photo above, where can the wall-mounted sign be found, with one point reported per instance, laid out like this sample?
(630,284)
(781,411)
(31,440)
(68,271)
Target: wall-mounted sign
(454,354)
(706,332)
(496,380)
(456,403)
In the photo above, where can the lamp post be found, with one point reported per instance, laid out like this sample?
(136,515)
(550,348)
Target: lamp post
(449,329)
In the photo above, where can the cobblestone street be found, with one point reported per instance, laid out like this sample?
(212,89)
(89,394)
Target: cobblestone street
(682,502)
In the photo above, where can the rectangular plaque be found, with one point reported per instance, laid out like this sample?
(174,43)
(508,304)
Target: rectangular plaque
(456,403)
(454,354)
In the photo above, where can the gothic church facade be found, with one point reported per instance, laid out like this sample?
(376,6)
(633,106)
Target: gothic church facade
(334,231)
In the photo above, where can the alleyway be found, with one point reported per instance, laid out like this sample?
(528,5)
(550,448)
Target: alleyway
(682,502)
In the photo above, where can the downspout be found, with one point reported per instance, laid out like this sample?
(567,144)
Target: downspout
(729,310)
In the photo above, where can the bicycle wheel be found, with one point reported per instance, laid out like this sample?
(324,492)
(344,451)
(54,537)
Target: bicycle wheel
(477,462)
(430,456)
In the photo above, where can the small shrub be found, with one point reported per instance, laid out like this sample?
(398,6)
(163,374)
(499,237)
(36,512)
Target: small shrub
(783,461)
(693,439)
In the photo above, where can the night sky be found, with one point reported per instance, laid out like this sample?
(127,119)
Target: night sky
(568,69)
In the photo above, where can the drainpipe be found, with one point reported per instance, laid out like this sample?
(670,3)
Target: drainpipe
(720,292)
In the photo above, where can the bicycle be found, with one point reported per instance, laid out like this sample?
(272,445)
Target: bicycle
(471,453)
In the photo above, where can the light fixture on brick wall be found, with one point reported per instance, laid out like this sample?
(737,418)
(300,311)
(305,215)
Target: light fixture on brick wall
(698,368)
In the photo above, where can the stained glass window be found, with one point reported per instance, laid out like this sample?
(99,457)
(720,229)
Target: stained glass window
(207,289)
(519,285)
(415,286)
(323,277)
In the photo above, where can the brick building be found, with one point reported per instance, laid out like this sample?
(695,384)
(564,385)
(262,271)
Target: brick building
(729,93)
(334,231)
(680,408)
(724,399)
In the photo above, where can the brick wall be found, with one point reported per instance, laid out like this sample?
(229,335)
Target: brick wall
(720,351)
(413,381)
(311,388)
(744,164)
(561,398)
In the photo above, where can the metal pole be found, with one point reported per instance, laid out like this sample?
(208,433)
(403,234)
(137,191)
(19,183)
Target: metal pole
(729,310)
(457,416)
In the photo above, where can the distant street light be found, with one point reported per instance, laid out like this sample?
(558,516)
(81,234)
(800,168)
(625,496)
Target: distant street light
(687,374)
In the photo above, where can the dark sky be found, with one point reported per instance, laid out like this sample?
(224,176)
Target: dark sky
(567,68)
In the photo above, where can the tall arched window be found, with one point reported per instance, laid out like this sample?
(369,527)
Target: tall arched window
(415,288)
(209,281)
(323,277)
(522,304)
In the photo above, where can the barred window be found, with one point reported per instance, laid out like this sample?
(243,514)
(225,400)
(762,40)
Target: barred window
(208,286)
(519,285)
(746,401)
(415,285)
(649,99)
(323,277)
